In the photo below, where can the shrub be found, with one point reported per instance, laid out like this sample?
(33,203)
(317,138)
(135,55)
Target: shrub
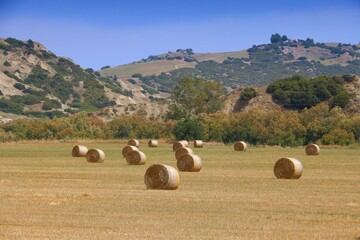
(338,137)
(136,75)
(10,106)
(301,92)
(248,94)
(189,129)
(19,86)
(340,100)
(89,70)
(132,81)
(105,67)
(7,64)
(14,42)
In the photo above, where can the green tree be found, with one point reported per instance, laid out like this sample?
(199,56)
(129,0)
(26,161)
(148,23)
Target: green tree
(189,129)
(248,94)
(340,100)
(195,96)
(275,38)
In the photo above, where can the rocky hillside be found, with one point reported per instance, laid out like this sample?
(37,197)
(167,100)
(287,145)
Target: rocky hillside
(35,82)
(233,102)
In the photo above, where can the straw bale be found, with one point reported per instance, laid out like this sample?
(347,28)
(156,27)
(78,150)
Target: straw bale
(198,144)
(79,151)
(240,146)
(181,151)
(95,156)
(153,143)
(160,176)
(312,149)
(288,168)
(134,142)
(189,163)
(179,144)
(136,158)
(127,149)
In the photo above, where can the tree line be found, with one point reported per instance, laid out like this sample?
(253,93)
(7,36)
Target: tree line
(286,128)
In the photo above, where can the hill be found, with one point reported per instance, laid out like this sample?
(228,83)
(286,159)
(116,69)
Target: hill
(259,65)
(35,82)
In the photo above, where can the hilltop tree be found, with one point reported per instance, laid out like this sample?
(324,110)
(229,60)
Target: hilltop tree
(275,38)
(195,96)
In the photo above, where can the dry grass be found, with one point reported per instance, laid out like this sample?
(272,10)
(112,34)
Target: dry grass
(146,68)
(157,67)
(47,194)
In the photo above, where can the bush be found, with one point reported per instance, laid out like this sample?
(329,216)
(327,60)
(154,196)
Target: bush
(10,106)
(132,81)
(19,86)
(136,75)
(133,126)
(189,129)
(89,70)
(301,92)
(338,137)
(248,94)
(7,64)
(14,42)
(50,104)
(340,100)
(105,67)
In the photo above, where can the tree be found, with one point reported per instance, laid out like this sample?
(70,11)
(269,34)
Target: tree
(105,67)
(248,94)
(275,38)
(89,70)
(189,129)
(195,96)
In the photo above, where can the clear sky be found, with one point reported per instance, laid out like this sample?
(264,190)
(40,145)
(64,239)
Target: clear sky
(99,33)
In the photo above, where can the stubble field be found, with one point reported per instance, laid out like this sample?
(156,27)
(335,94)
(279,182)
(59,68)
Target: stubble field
(45,193)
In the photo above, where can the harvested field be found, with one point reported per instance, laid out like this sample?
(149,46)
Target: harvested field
(45,194)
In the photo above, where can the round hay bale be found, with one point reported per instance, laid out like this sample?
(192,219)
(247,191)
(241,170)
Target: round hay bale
(179,144)
(136,158)
(288,168)
(189,163)
(181,151)
(95,156)
(153,143)
(312,149)
(160,176)
(198,144)
(127,149)
(240,146)
(79,151)
(134,142)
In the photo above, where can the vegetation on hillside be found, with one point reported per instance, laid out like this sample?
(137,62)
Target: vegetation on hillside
(286,128)
(302,92)
(64,84)
(266,63)
(194,96)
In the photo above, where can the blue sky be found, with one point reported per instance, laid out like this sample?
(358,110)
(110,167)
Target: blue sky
(99,33)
